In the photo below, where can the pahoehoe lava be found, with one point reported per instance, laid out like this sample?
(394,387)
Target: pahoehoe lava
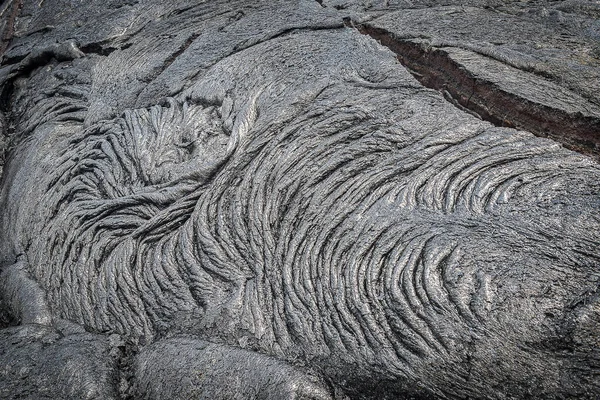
(299,199)
(435,69)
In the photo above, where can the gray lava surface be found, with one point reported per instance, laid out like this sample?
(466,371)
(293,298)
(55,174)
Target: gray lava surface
(327,200)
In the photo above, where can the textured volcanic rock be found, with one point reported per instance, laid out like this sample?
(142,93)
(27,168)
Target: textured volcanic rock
(300,199)
(536,70)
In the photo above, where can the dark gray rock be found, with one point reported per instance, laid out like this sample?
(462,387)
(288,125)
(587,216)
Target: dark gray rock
(300,199)
(42,363)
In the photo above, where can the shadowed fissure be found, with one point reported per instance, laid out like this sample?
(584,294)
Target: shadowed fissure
(435,69)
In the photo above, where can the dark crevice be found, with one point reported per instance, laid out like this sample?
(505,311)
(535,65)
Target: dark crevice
(129,3)
(435,69)
(291,31)
(179,51)
(6,95)
(286,32)
(8,60)
(171,59)
(98,48)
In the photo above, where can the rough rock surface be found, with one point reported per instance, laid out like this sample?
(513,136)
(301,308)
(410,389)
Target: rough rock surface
(300,199)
